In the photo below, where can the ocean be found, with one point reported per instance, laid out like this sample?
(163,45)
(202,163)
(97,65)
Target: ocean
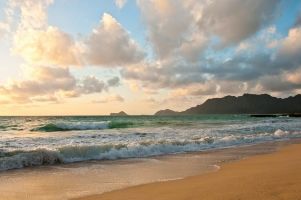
(37,141)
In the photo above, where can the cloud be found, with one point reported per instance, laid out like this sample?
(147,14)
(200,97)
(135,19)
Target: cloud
(49,52)
(36,41)
(110,45)
(278,83)
(120,3)
(294,76)
(183,35)
(166,74)
(32,13)
(45,84)
(46,98)
(197,89)
(4,28)
(171,27)
(91,84)
(113,82)
(181,45)
(277,71)
(290,48)
(185,28)
(244,71)
(43,81)
(236,20)
(46,47)
(110,99)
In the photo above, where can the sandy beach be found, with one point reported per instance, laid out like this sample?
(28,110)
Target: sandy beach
(61,182)
(150,100)
(270,176)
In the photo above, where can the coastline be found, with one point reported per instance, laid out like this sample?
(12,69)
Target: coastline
(89,179)
(274,175)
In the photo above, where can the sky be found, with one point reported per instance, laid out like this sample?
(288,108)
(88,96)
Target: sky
(76,57)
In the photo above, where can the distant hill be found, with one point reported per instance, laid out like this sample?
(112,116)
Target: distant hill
(166,112)
(246,104)
(121,113)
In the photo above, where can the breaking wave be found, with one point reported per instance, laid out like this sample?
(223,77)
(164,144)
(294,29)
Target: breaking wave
(138,149)
(73,126)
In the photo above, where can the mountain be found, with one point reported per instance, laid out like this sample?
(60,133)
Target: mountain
(245,104)
(166,112)
(121,113)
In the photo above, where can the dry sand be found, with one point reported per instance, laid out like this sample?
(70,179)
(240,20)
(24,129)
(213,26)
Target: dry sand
(271,176)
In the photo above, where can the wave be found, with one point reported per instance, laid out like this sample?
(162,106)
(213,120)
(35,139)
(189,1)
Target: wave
(20,159)
(70,154)
(280,133)
(94,125)
(10,127)
(73,126)
(138,149)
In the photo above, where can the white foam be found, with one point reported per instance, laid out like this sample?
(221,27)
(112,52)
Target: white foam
(228,138)
(280,133)
(29,159)
(94,141)
(83,125)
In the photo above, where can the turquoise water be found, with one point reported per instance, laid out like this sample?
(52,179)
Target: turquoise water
(34,141)
(52,124)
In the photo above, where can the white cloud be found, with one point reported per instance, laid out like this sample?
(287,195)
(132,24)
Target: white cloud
(46,47)
(294,77)
(32,12)
(110,45)
(184,28)
(291,46)
(36,41)
(170,24)
(4,28)
(183,35)
(120,3)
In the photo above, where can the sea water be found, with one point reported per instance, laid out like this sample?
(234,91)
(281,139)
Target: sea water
(36,141)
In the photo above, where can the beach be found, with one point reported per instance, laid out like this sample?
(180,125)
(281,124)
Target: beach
(60,158)
(150,100)
(85,179)
(271,176)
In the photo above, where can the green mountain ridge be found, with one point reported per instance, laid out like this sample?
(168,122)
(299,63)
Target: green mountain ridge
(245,104)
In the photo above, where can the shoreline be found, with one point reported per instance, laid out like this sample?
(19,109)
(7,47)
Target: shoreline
(273,175)
(275,143)
(81,180)
(160,156)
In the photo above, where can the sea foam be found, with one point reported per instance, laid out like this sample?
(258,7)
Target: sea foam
(136,148)
(37,141)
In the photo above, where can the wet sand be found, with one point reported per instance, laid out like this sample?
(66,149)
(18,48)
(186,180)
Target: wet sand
(85,179)
(270,176)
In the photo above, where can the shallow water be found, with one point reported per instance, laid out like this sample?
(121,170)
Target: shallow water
(61,182)
(36,141)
